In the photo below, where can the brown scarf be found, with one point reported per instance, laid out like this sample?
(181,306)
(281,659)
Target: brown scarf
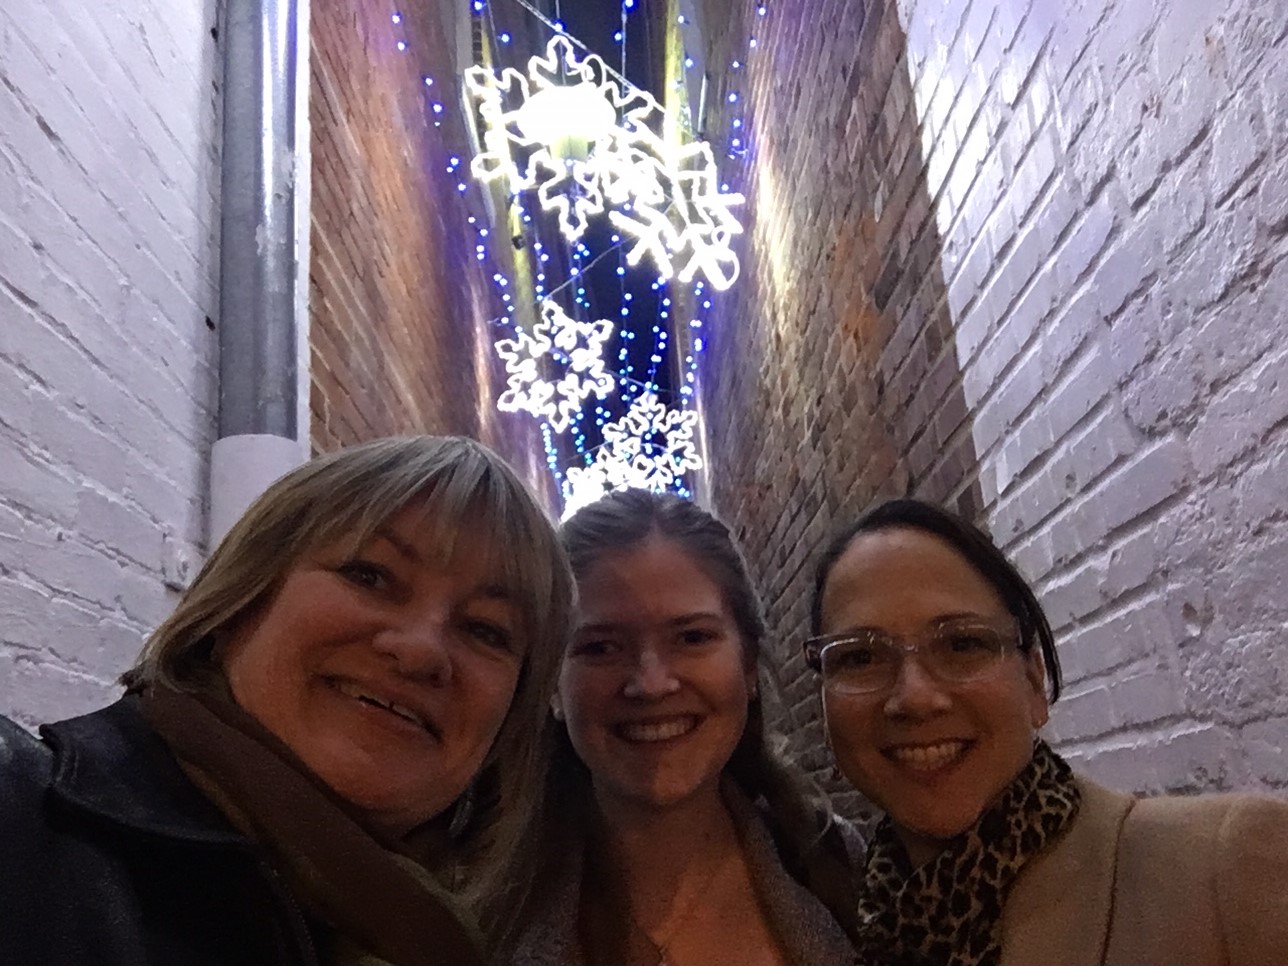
(374,898)
(949,911)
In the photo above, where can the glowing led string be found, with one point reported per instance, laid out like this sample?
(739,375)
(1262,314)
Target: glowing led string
(649,429)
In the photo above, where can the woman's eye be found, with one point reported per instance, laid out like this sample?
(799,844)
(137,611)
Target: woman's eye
(493,635)
(364,574)
(592,648)
(970,643)
(696,635)
(856,658)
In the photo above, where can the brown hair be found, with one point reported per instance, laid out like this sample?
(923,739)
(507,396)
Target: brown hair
(625,519)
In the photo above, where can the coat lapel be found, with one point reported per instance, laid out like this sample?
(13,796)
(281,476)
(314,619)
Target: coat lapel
(1059,909)
(799,920)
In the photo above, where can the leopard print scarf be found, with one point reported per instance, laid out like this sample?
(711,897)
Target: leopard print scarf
(949,912)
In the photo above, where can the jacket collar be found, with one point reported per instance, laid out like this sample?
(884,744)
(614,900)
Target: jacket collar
(113,765)
(798,918)
(1059,910)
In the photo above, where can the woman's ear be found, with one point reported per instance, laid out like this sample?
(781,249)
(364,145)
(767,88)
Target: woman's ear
(1035,676)
(556,706)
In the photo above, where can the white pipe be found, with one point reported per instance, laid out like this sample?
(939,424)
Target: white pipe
(242,468)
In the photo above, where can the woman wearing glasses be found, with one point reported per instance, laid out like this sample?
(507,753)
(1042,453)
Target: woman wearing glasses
(937,668)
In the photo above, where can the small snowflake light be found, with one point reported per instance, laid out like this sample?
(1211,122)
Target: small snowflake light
(588,144)
(583,485)
(553,369)
(655,441)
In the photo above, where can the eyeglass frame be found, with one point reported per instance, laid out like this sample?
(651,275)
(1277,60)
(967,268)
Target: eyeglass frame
(813,648)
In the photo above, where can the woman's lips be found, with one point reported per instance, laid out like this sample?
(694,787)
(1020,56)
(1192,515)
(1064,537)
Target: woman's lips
(369,697)
(656,729)
(927,757)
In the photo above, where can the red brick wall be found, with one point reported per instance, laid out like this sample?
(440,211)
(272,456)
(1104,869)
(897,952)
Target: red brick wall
(838,255)
(1029,258)
(398,302)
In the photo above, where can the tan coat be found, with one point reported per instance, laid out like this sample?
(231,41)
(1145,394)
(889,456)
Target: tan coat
(1156,882)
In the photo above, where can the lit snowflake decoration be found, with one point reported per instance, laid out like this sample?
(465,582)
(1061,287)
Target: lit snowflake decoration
(553,369)
(584,485)
(568,130)
(654,441)
(678,210)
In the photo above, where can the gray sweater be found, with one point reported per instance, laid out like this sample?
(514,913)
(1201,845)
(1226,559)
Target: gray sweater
(808,934)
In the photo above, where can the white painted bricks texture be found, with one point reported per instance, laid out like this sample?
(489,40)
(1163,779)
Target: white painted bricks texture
(1028,258)
(1110,181)
(108,276)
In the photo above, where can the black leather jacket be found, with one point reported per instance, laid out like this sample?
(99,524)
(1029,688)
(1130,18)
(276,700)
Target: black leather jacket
(109,855)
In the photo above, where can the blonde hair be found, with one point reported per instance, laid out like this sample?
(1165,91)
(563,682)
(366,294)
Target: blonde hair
(471,494)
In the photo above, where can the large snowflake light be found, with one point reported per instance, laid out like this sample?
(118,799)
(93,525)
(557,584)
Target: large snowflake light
(654,441)
(556,366)
(587,145)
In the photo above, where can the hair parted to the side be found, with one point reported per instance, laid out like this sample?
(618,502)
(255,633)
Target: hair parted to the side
(973,544)
(469,494)
(618,522)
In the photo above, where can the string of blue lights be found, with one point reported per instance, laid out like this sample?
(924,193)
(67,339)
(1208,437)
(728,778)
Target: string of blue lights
(585,435)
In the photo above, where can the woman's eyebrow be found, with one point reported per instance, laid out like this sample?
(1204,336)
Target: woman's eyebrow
(491,590)
(404,548)
(966,615)
(702,615)
(601,627)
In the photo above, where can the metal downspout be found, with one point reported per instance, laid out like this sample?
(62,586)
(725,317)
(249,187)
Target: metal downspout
(260,250)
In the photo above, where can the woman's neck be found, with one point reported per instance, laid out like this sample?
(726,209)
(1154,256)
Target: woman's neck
(685,883)
(920,848)
(656,848)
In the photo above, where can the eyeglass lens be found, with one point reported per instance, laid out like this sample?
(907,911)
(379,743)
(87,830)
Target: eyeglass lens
(871,662)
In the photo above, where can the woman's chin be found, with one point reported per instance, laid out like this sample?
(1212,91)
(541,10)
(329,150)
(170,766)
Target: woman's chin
(391,808)
(924,837)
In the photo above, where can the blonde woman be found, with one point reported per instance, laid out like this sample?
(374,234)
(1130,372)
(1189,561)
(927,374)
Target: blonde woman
(363,661)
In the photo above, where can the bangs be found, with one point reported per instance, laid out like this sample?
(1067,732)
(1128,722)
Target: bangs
(466,496)
(467,502)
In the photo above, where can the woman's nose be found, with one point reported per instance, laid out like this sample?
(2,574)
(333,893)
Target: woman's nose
(419,646)
(915,693)
(651,677)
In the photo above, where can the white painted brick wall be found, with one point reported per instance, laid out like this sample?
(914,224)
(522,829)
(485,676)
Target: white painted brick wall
(1110,180)
(108,275)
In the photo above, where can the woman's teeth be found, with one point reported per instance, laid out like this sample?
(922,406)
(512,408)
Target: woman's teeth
(657,730)
(353,691)
(928,757)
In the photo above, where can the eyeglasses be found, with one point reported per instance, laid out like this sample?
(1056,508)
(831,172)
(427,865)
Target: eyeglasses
(869,661)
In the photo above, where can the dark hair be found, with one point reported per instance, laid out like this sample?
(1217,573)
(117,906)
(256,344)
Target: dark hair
(623,520)
(973,544)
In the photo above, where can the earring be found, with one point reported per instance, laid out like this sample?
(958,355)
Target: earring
(556,712)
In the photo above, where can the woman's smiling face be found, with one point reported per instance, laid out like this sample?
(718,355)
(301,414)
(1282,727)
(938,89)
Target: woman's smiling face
(386,671)
(655,685)
(932,754)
